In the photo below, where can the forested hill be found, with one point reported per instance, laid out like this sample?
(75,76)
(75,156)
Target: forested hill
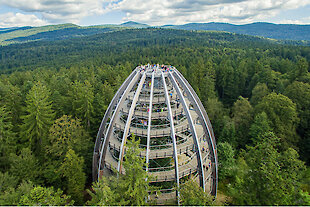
(53,95)
(77,50)
(64,52)
(263,29)
(52,32)
(67,31)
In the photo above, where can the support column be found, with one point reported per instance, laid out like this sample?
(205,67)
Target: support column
(149,123)
(205,123)
(105,119)
(113,119)
(175,153)
(193,130)
(127,126)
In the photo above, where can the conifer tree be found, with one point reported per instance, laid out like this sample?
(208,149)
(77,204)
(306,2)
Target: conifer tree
(82,95)
(67,133)
(39,117)
(192,194)
(130,189)
(242,116)
(133,186)
(24,166)
(7,137)
(72,171)
(41,196)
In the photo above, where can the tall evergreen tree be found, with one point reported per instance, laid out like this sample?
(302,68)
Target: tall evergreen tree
(72,171)
(242,116)
(82,95)
(192,194)
(7,138)
(259,127)
(25,166)
(129,189)
(39,117)
(258,92)
(41,196)
(67,133)
(300,94)
(226,160)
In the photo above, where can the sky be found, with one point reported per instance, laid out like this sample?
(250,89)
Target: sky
(15,13)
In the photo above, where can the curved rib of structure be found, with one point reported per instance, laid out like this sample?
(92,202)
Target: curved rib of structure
(157,105)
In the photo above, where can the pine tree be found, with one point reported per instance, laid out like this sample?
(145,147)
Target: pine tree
(133,186)
(191,194)
(130,189)
(67,133)
(259,127)
(24,166)
(41,196)
(7,137)
(82,95)
(39,117)
(258,92)
(226,160)
(72,171)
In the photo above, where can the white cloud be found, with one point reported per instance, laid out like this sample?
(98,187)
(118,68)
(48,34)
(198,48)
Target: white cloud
(301,21)
(154,12)
(157,12)
(17,20)
(59,11)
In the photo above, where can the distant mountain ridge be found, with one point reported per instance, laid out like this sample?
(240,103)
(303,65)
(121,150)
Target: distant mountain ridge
(134,24)
(263,29)
(66,31)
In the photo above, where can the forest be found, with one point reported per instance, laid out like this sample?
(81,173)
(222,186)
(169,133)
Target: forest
(53,96)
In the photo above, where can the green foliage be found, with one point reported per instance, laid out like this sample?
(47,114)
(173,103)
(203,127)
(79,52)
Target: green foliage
(67,133)
(267,178)
(11,98)
(281,111)
(130,189)
(299,93)
(6,181)
(7,137)
(13,194)
(39,117)
(72,171)
(226,83)
(102,100)
(226,160)
(102,194)
(301,69)
(259,127)
(82,101)
(242,116)
(191,194)
(40,196)
(258,92)
(24,166)
(228,132)
(133,185)
(202,75)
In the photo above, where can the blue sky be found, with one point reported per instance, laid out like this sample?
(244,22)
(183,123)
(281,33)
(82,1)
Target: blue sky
(154,12)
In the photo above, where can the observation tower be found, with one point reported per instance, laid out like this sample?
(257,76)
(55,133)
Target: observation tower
(158,105)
